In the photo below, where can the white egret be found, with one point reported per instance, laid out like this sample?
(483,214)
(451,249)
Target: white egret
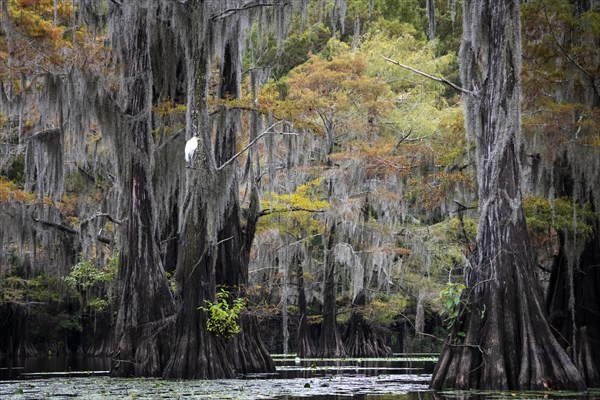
(190,147)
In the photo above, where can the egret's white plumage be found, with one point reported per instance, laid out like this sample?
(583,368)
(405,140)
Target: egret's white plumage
(190,147)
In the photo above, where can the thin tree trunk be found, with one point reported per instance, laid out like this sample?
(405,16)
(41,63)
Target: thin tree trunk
(430,5)
(330,343)
(305,345)
(502,339)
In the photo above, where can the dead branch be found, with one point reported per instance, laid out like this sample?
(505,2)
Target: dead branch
(51,131)
(170,139)
(291,209)
(248,6)
(223,107)
(239,153)
(99,215)
(66,229)
(55,225)
(435,78)
(403,138)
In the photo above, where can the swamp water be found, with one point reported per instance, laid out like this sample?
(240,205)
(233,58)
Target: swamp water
(401,377)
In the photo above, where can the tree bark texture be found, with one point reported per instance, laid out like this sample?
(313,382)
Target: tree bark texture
(430,6)
(502,339)
(142,329)
(197,353)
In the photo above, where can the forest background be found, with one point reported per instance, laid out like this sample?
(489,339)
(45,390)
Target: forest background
(345,222)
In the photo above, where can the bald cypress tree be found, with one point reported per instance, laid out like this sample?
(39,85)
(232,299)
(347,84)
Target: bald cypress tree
(502,338)
(142,346)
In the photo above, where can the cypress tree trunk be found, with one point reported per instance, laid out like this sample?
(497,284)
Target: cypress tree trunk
(505,341)
(14,341)
(305,345)
(205,260)
(359,338)
(330,343)
(574,305)
(573,298)
(197,353)
(248,352)
(142,330)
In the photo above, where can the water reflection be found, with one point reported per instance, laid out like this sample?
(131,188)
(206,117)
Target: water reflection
(13,368)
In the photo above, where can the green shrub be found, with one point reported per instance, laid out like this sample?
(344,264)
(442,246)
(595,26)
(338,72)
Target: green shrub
(223,317)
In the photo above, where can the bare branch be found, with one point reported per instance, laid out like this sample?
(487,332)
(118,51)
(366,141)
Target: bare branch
(462,207)
(105,215)
(239,153)
(291,209)
(228,108)
(570,58)
(67,229)
(435,78)
(51,131)
(248,6)
(170,139)
(403,138)
(60,227)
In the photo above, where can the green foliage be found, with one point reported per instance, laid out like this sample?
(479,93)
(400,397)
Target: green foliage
(69,322)
(294,50)
(89,280)
(295,213)
(332,95)
(385,309)
(560,61)
(222,316)
(562,215)
(16,171)
(13,289)
(449,299)
(86,274)
(395,16)
(75,182)
(463,230)
(172,282)
(18,290)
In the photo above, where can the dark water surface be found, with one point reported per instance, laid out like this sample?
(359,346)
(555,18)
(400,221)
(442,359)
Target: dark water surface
(15,367)
(400,377)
